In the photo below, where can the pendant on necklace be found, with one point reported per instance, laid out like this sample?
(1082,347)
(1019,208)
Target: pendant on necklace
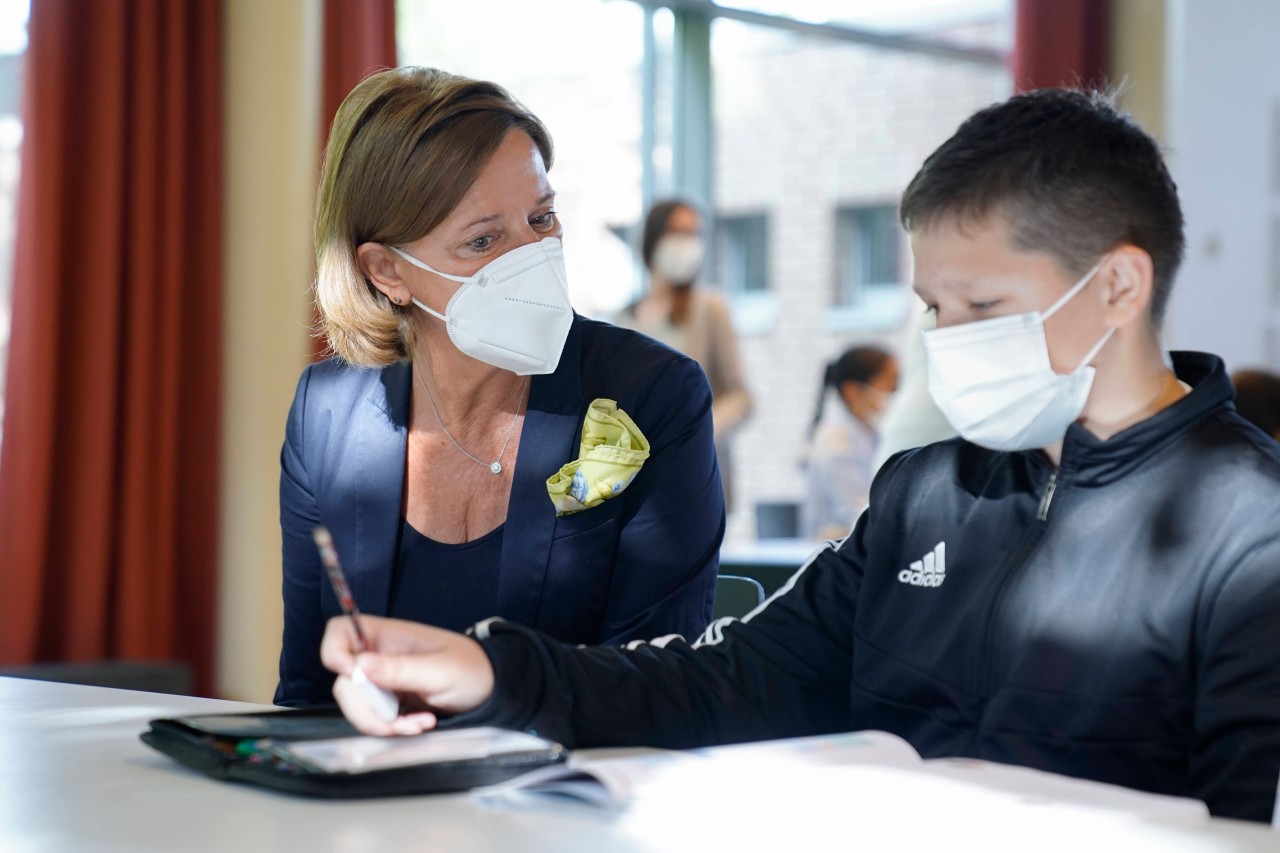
(496,467)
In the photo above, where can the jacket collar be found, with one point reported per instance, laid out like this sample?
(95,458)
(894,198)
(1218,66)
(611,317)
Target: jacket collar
(1089,460)
(378,439)
(549,440)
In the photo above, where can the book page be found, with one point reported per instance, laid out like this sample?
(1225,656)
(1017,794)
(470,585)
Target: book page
(865,747)
(612,782)
(1031,787)
(364,754)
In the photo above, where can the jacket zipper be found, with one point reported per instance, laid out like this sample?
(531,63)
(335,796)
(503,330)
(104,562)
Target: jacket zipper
(1042,514)
(1017,562)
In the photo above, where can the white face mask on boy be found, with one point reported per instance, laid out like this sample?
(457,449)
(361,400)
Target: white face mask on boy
(513,312)
(994,382)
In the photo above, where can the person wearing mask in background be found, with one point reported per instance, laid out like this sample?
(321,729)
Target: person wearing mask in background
(855,394)
(690,318)
(1258,399)
(1086,581)
(439,444)
(913,419)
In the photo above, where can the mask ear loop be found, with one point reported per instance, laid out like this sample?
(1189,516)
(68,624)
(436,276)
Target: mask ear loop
(435,314)
(424,266)
(547,246)
(1075,288)
(1097,348)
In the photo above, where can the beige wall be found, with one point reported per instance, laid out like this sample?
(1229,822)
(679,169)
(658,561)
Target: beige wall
(1138,60)
(272,152)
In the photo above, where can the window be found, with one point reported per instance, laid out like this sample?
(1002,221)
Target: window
(868,253)
(13,46)
(742,254)
(798,122)
(579,70)
(822,122)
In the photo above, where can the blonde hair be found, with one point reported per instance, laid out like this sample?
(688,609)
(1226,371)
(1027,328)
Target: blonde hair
(405,146)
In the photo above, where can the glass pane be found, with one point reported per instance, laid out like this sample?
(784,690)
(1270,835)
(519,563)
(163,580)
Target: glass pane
(970,23)
(13,46)
(742,253)
(880,224)
(579,70)
(868,252)
(806,127)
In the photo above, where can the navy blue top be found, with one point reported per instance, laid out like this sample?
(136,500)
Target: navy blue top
(452,586)
(640,565)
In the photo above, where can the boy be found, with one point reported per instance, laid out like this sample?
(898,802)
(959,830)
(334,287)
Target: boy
(1087,581)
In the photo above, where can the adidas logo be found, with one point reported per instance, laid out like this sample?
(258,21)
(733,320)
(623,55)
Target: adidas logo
(929,571)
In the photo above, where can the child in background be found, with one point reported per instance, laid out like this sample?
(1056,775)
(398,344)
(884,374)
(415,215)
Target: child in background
(843,443)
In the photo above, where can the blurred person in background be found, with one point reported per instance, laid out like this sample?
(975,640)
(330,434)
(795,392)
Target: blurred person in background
(913,419)
(1258,399)
(855,393)
(690,318)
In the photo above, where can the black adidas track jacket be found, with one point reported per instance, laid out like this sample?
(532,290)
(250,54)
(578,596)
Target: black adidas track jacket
(1118,620)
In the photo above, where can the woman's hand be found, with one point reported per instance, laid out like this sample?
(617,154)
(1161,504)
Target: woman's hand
(432,671)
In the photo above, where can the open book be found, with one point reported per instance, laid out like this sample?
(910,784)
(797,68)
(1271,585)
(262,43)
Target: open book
(614,781)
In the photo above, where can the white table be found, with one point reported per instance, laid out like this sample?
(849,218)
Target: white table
(75,777)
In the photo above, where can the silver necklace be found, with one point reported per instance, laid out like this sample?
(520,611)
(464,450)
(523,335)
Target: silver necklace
(495,467)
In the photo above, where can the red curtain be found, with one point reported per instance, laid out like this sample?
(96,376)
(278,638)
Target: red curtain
(109,462)
(1061,42)
(359,38)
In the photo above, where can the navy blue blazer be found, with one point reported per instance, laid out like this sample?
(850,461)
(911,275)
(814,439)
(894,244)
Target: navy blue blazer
(640,565)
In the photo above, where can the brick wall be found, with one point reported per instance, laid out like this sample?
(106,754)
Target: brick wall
(803,127)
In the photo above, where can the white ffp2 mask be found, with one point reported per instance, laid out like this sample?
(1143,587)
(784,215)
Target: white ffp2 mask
(513,312)
(994,382)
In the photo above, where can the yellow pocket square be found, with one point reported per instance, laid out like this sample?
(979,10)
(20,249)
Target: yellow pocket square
(611,454)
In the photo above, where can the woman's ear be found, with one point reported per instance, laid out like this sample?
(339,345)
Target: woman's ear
(1130,278)
(378,263)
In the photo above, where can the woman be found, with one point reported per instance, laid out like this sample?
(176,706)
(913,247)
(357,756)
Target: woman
(693,320)
(844,443)
(460,384)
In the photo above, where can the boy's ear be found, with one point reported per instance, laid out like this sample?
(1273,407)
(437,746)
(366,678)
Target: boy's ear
(1130,277)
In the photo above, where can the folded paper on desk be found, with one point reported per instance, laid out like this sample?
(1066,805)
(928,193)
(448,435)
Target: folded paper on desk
(614,782)
(611,782)
(319,754)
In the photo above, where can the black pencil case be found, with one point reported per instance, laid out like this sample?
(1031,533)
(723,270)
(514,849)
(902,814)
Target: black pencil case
(317,753)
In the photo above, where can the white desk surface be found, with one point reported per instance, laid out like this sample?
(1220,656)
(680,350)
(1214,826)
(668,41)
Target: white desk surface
(75,777)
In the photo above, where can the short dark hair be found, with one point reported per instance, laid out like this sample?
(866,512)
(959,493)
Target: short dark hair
(1072,176)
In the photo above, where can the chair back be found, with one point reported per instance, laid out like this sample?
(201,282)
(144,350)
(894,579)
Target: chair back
(736,596)
(777,520)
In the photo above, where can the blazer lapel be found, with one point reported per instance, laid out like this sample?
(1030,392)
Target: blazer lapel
(379,433)
(550,438)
